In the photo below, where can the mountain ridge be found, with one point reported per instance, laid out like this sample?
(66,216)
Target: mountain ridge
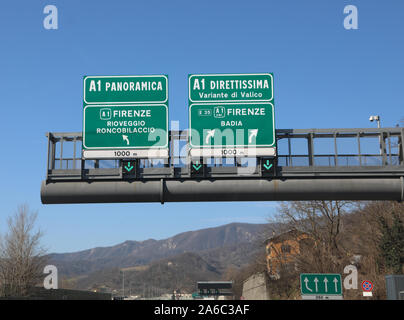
(81,253)
(231,244)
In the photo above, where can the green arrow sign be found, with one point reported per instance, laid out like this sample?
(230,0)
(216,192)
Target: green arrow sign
(128,167)
(125,127)
(125,89)
(231,115)
(197,166)
(267,165)
(232,125)
(125,117)
(321,284)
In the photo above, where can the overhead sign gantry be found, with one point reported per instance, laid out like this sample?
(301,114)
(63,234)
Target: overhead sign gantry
(312,175)
(125,117)
(231,115)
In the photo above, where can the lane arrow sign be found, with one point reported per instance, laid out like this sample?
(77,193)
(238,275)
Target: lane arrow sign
(267,165)
(316,282)
(197,165)
(253,133)
(125,138)
(307,287)
(128,167)
(210,134)
(325,284)
(335,282)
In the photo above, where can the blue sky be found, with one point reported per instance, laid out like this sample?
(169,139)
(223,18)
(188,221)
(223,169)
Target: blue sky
(325,77)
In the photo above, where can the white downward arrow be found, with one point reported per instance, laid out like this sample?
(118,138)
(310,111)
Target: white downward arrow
(125,138)
(307,287)
(210,134)
(335,282)
(253,133)
(325,284)
(316,282)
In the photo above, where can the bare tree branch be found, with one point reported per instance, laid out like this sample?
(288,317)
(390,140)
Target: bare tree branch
(22,257)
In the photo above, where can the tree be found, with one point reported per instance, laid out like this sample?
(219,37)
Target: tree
(309,238)
(392,244)
(22,258)
(321,220)
(369,235)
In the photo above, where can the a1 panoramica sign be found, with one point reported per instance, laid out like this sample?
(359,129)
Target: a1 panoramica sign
(125,117)
(231,115)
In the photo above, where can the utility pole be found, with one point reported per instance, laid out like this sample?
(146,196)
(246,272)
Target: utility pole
(377,119)
(123,283)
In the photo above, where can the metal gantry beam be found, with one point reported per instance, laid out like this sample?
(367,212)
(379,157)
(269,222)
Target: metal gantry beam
(364,170)
(223,190)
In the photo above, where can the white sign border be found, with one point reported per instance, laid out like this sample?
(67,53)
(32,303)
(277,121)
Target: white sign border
(323,297)
(229,75)
(84,147)
(103,154)
(316,294)
(215,152)
(130,102)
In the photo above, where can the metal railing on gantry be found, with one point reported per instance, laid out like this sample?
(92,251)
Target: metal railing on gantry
(366,152)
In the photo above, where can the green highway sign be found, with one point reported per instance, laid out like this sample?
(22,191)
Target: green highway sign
(124,127)
(125,117)
(125,89)
(255,87)
(321,286)
(231,115)
(196,295)
(228,126)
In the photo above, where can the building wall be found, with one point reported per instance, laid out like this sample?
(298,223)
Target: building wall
(277,253)
(255,288)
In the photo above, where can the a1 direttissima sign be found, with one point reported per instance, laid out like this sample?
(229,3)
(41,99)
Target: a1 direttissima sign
(231,115)
(125,117)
